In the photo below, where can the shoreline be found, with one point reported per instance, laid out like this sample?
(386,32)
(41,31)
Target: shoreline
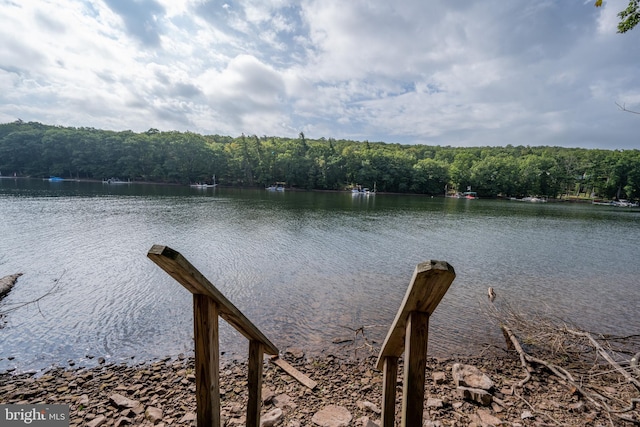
(561,199)
(162,393)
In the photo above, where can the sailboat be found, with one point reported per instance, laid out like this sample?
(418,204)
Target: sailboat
(204,184)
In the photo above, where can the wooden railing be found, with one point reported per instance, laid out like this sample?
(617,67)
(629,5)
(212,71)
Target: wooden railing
(409,333)
(208,304)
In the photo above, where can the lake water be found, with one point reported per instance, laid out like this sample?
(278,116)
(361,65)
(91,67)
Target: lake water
(305,267)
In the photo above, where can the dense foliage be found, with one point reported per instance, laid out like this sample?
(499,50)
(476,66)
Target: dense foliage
(38,150)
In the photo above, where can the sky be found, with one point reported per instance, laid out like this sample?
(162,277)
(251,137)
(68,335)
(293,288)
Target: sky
(450,73)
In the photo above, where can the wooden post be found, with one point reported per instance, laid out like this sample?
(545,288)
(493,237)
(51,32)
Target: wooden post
(255,383)
(408,334)
(207,363)
(389,380)
(414,368)
(208,304)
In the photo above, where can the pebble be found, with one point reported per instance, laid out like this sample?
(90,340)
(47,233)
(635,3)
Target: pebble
(162,393)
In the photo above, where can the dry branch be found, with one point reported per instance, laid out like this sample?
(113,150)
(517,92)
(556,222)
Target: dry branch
(607,357)
(8,308)
(576,358)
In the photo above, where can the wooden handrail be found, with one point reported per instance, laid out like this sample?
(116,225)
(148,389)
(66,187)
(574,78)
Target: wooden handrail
(188,276)
(409,334)
(208,304)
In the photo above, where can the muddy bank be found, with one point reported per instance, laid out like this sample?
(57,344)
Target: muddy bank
(162,393)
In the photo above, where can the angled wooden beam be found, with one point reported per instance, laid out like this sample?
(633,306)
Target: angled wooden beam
(188,276)
(430,281)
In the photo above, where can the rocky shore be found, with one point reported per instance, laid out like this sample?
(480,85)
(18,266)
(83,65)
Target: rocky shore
(348,393)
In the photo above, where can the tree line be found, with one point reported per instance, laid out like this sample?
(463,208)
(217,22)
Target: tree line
(38,150)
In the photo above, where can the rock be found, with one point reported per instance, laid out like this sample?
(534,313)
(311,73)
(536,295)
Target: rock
(7,283)
(475,395)
(295,352)
(332,416)
(138,409)
(82,400)
(188,417)
(457,405)
(577,406)
(123,402)
(439,377)
(97,421)
(471,377)
(526,414)
(434,403)
(123,421)
(153,414)
(267,395)
(366,422)
(271,418)
(488,419)
(284,400)
(370,406)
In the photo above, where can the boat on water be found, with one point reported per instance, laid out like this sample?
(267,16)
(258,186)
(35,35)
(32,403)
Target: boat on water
(358,190)
(466,195)
(115,181)
(278,186)
(533,199)
(54,179)
(202,185)
(620,203)
(362,192)
(623,203)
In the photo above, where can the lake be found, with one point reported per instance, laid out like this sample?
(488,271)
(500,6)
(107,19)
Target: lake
(305,267)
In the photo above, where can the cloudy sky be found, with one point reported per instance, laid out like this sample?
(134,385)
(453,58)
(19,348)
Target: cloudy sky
(456,72)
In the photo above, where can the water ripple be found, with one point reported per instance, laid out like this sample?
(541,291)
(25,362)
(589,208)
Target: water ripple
(306,268)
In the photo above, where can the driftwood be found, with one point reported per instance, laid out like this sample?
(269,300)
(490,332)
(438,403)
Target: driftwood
(627,376)
(598,400)
(302,378)
(7,283)
(589,365)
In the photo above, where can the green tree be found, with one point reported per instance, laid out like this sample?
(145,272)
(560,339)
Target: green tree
(429,177)
(629,17)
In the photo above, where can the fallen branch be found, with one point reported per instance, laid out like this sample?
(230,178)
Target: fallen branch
(607,357)
(356,332)
(8,308)
(514,343)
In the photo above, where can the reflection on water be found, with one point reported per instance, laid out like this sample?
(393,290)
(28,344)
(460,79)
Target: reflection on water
(304,267)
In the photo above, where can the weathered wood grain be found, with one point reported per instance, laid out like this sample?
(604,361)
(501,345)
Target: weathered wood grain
(389,380)
(207,351)
(417,334)
(430,281)
(254,383)
(302,378)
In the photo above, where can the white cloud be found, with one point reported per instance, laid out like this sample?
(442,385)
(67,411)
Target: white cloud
(451,73)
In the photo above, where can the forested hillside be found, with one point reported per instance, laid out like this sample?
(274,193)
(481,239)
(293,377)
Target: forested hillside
(38,150)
